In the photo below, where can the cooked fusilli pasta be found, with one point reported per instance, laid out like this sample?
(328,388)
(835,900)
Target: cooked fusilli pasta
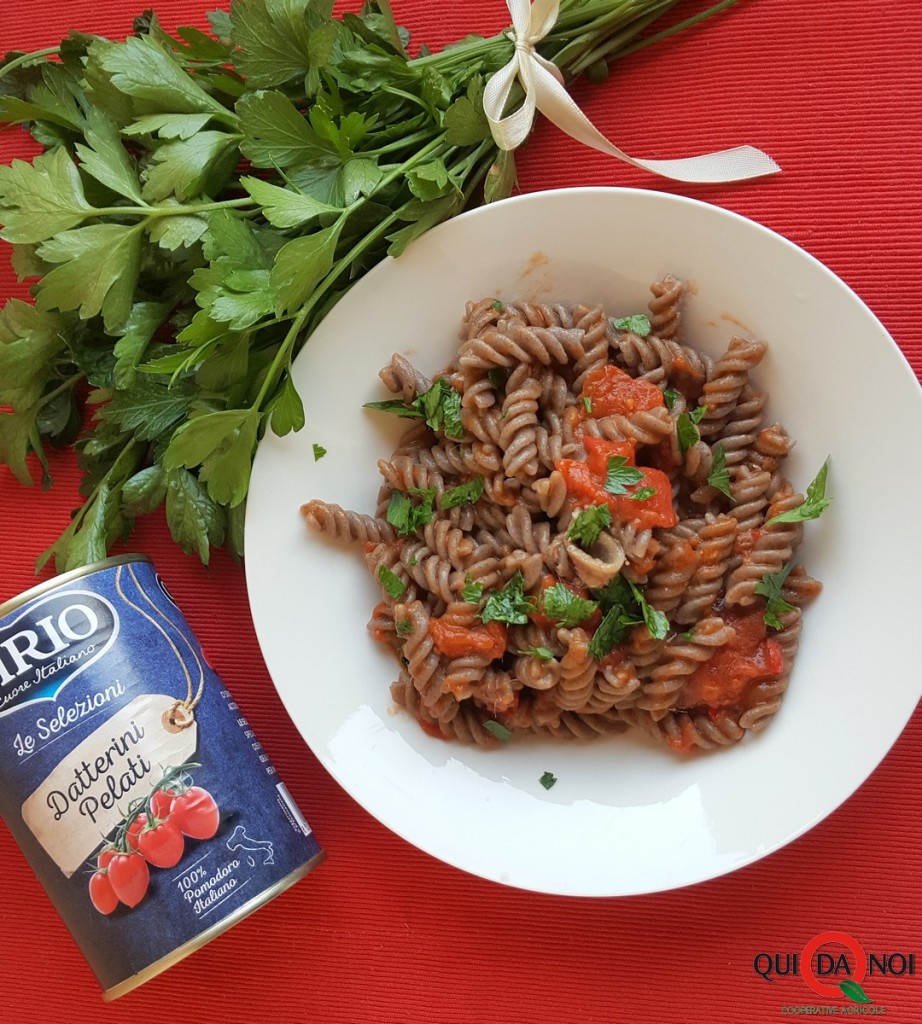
(580,532)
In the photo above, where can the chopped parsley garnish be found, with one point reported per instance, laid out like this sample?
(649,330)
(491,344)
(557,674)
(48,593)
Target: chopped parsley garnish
(643,493)
(624,605)
(548,779)
(463,493)
(407,516)
(656,622)
(509,604)
(440,406)
(393,585)
(498,730)
(587,404)
(611,632)
(638,324)
(813,504)
(619,475)
(496,304)
(319,452)
(403,627)
(471,592)
(588,523)
(719,476)
(544,653)
(670,397)
(686,427)
(397,407)
(564,607)
(769,587)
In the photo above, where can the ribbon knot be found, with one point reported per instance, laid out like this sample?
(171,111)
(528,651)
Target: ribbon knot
(543,86)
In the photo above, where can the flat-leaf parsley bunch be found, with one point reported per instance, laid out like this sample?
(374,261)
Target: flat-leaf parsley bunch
(201,202)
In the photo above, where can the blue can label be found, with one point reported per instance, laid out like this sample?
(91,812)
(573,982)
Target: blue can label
(130,778)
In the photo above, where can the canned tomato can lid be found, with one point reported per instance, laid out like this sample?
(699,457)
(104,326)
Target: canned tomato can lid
(130,777)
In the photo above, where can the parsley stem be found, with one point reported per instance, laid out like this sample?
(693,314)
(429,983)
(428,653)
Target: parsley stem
(153,212)
(68,382)
(678,27)
(27,58)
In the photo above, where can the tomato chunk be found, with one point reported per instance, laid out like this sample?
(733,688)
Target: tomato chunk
(456,641)
(611,391)
(726,679)
(654,508)
(599,451)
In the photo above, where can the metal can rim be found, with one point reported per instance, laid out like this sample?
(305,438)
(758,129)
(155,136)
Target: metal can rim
(66,577)
(203,938)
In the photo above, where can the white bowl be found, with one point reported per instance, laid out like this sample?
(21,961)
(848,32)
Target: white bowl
(626,815)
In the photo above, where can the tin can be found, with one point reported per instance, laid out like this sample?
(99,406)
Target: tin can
(129,777)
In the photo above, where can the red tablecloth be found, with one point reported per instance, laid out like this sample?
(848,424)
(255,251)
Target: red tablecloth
(382,932)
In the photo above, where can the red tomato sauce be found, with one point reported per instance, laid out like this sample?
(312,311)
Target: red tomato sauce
(456,641)
(725,681)
(611,391)
(586,484)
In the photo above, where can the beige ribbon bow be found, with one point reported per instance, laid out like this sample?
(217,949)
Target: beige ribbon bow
(544,90)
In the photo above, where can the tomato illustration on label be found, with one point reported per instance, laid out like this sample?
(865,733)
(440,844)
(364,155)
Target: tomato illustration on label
(160,843)
(101,892)
(196,813)
(129,877)
(152,834)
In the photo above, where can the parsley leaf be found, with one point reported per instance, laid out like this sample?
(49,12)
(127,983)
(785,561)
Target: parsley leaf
(397,407)
(564,607)
(275,134)
(814,503)
(544,653)
(611,631)
(440,406)
(96,271)
(392,584)
(472,592)
(319,451)
(273,40)
(638,324)
(548,779)
(619,475)
(670,397)
(656,622)
(588,523)
(301,265)
(462,494)
(403,627)
(719,476)
(643,493)
(509,604)
(407,516)
(498,730)
(284,207)
(687,429)
(196,522)
(770,587)
(41,199)
(624,605)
